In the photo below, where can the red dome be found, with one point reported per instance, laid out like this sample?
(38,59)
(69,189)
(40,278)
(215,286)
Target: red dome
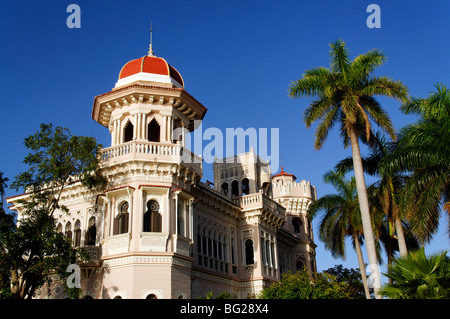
(152,65)
(283,173)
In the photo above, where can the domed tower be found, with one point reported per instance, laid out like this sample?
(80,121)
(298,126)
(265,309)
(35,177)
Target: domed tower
(147,226)
(295,197)
(149,95)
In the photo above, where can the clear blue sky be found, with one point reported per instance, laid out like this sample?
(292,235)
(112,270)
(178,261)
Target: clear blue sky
(236,57)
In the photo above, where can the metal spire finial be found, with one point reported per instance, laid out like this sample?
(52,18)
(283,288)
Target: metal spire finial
(150,48)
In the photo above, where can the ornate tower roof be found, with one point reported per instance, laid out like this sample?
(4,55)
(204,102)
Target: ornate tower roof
(283,173)
(151,69)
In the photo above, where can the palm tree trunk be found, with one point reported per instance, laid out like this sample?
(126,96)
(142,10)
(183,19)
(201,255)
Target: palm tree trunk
(362,267)
(400,237)
(365,213)
(398,223)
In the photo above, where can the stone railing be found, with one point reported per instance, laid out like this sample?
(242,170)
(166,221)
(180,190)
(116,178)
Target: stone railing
(260,201)
(172,153)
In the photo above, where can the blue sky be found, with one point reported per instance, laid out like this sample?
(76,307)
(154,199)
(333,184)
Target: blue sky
(236,57)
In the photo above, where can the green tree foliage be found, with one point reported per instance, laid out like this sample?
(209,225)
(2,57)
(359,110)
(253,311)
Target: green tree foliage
(56,160)
(423,149)
(352,277)
(418,276)
(301,286)
(33,248)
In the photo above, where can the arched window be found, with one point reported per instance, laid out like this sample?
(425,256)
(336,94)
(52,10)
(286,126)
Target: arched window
(296,222)
(177,134)
(210,244)
(235,188)
(121,221)
(249,252)
(267,189)
(152,217)
(59,228)
(91,233)
(77,234)
(153,130)
(128,132)
(233,251)
(69,231)
(245,187)
(180,217)
(299,265)
(199,240)
(225,248)
(204,244)
(224,188)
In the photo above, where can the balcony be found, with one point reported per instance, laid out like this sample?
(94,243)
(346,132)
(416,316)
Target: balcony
(151,151)
(94,254)
(270,210)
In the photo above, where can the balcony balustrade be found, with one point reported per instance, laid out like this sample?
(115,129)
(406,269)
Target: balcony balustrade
(144,150)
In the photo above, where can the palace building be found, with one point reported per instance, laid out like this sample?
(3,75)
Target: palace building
(158,231)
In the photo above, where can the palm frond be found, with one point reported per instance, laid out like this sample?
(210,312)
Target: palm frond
(340,57)
(307,86)
(378,115)
(325,127)
(363,65)
(318,109)
(436,106)
(350,107)
(382,85)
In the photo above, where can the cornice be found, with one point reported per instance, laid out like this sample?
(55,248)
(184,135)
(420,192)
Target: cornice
(177,98)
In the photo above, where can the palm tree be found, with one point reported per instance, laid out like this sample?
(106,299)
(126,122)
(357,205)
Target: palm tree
(417,276)
(341,219)
(423,150)
(346,96)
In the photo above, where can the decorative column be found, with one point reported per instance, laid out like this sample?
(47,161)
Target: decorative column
(144,125)
(191,219)
(135,127)
(176,213)
(118,133)
(113,132)
(183,139)
(163,129)
(169,128)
